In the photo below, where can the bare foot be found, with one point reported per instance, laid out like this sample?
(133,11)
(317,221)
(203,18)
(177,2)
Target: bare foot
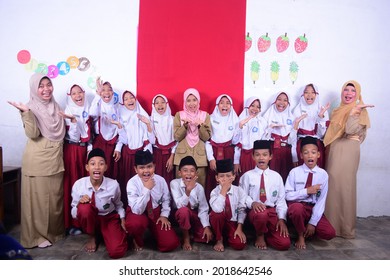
(300,244)
(186,241)
(136,247)
(219,246)
(90,247)
(260,242)
(45,244)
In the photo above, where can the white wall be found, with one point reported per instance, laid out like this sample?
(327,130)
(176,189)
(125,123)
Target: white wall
(347,40)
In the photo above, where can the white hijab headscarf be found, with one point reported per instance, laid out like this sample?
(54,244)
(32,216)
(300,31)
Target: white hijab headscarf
(136,130)
(80,112)
(162,124)
(50,124)
(273,116)
(108,112)
(223,127)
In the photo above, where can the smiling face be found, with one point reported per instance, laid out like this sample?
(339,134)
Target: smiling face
(160,105)
(45,89)
(255,108)
(262,157)
(129,101)
(96,167)
(187,173)
(192,103)
(146,171)
(310,155)
(281,102)
(224,106)
(225,179)
(348,95)
(309,94)
(77,95)
(107,93)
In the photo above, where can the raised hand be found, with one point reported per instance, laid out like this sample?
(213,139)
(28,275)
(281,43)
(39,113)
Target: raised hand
(99,86)
(323,110)
(19,105)
(67,116)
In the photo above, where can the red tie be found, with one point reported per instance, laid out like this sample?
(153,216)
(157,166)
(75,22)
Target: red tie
(309,180)
(92,201)
(228,209)
(263,195)
(149,208)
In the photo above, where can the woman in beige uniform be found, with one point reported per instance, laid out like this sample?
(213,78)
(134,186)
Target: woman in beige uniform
(42,166)
(348,125)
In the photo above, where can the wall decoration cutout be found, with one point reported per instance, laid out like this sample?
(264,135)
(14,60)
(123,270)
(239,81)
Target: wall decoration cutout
(275,67)
(264,43)
(248,42)
(282,43)
(255,69)
(293,71)
(62,68)
(300,44)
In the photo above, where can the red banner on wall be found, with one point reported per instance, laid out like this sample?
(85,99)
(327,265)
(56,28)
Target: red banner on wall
(183,44)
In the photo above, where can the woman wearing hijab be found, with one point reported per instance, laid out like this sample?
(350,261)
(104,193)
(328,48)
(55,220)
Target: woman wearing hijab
(280,122)
(164,145)
(192,129)
(77,142)
(42,221)
(224,122)
(347,130)
(311,120)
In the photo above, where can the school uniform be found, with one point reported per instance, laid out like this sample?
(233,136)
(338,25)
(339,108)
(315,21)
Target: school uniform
(227,212)
(265,222)
(106,133)
(76,144)
(102,214)
(312,125)
(145,207)
(193,210)
(306,208)
(164,144)
(222,142)
(255,129)
(282,138)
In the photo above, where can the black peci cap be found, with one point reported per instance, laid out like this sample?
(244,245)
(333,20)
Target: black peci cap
(143,157)
(97,152)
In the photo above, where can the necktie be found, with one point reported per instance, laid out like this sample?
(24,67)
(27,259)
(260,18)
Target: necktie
(309,180)
(228,208)
(149,208)
(92,201)
(263,195)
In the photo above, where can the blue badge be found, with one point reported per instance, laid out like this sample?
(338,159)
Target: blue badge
(230,128)
(113,117)
(116,98)
(255,129)
(85,114)
(289,122)
(318,193)
(274,193)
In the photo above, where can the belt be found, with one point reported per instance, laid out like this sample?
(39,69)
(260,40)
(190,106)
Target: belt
(81,144)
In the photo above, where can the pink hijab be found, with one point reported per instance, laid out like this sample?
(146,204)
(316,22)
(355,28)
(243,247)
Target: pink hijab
(50,124)
(192,136)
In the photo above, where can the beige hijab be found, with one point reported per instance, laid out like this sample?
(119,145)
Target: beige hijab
(340,115)
(50,124)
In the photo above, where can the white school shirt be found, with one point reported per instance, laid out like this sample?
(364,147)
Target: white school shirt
(295,189)
(237,198)
(138,196)
(197,199)
(107,196)
(105,112)
(274,189)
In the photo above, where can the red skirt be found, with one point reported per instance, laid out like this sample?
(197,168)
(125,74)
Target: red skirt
(108,147)
(281,160)
(160,160)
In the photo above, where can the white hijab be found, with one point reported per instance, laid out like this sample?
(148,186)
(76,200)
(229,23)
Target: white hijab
(80,112)
(136,130)
(108,112)
(273,116)
(162,124)
(223,127)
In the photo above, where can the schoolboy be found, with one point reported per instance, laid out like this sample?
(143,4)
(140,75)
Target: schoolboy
(306,190)
(190,201)
(149,205)
(227,202)
(97,205)
(266,200)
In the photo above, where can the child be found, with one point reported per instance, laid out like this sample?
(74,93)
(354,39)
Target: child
(191,204)
(191,129)
(265,197)
(149,206)
(252,127)
(228,214)
(306,191)
(77,142)
(224,122)
(98,207)
(311,120)
(164,145)
(134,126)
(104,112)
(280,121)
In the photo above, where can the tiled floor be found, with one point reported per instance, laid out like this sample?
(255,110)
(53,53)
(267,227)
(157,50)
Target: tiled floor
(372,243)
